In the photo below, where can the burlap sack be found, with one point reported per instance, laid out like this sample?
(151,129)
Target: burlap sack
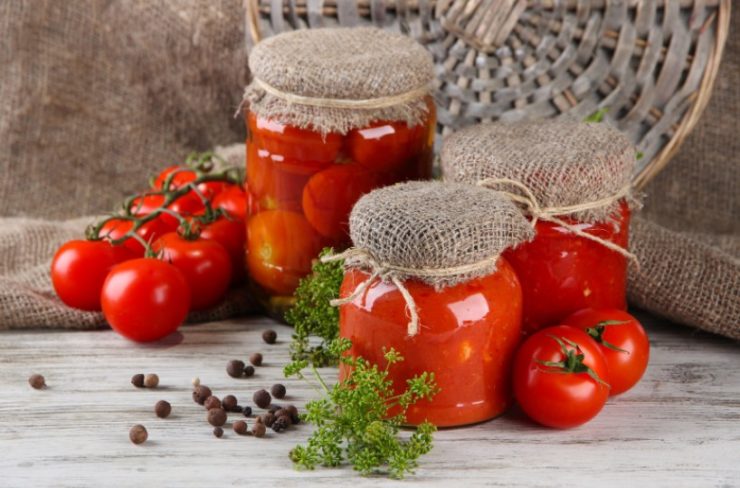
(334,80)
(688,238)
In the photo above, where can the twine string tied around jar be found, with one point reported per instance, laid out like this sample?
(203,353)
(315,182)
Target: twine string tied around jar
(362,258)
(551,214)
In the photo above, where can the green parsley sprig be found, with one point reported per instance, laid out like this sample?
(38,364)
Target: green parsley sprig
(313,316)
(352,422)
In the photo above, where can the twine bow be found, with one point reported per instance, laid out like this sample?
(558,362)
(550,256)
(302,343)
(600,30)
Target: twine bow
(550,214)
(357,257)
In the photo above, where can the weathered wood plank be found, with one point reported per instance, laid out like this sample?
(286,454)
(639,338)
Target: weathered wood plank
(679,427)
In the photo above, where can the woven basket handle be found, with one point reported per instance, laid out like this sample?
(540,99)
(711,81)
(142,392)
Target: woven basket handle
(482,24)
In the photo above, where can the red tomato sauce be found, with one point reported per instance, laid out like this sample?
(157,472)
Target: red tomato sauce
(467,337)
(562,273)
(302,186)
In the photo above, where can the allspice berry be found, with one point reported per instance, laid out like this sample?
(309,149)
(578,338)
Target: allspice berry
(269,336)
(138,380)
(218,432)
(280,424)
(229,403)
(151,380)
(259,429)
(240,427)
(283,413)
(268,419)
(162,408)
(256,359)
(36,381)
(138,434)
(262,398)
(278,390)
(200,393)
(235,368)
(216,417)
(212,402)
(293,412)
(248,371)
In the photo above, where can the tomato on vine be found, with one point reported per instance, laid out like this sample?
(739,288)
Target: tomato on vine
(184,176)
(205,264)
(232,235)
(623,342)
(79,269)
(117,228)
(560,377)
(145,299)
(185,206)
(233,201)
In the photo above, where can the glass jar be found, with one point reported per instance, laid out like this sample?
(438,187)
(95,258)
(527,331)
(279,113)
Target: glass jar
(467,337)
(562,273)
(302,186)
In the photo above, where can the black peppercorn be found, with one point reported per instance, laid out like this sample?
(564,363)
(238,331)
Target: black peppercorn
(247,411)
(36,381)
(229,403)
(138,380)
(259,429)
(256,359)
(248,371)
(274,407)
(138,434)
(151,380)
(212,402)
(261,398)
(280,424)
(278,390)
(218,432)
(216,417)
(240,427)
(235,368)
(269,336)
(200,393)
(293,412)
(162,408)
(283,413)
(267,418)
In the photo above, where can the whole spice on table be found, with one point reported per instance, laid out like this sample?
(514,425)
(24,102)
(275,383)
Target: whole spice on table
(218,432)
(274,407)
(163,409)
(36,381)
(151,380)
(267,418)
(293,412)
(256,359)
(262,398)
(259,429)
(200,393)
(269,336)
(216,417)
(235,368)
(278,390)
(280,424)
(229,403)
(283,413)
(212,402)
(240,427)
(138,380)
(248,371)
(138,434)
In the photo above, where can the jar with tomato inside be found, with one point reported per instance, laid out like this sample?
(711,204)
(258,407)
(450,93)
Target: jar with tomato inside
(425,276)
(572,180)
(331,114)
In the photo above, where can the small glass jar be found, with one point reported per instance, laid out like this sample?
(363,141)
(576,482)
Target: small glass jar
(562,273)
(467,338)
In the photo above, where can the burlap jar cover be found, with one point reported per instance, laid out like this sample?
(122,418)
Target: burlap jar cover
(553,170)
(335,80)
(441,234)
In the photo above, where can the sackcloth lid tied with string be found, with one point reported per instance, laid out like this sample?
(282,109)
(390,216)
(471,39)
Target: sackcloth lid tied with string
(441,234)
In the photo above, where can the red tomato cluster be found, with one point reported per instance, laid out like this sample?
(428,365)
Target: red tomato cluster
(564,374)
(147,298)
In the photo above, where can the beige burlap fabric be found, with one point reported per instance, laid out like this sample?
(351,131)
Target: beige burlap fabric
(688,237)
(563,163)
(337,79)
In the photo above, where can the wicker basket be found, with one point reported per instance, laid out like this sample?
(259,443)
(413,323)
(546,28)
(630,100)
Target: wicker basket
(652,63)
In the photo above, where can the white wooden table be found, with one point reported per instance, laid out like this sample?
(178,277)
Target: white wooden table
(679,427)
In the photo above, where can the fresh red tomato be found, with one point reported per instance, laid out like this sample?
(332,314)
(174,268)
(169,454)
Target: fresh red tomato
(116,228)
(232,235)
(233,200)
(145,299)
(560,377)
(288,142)
(623,341)
(280,248)
(79,268)
(205,264)
(386,145)
(330,195)
(184,176)
(186,206)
